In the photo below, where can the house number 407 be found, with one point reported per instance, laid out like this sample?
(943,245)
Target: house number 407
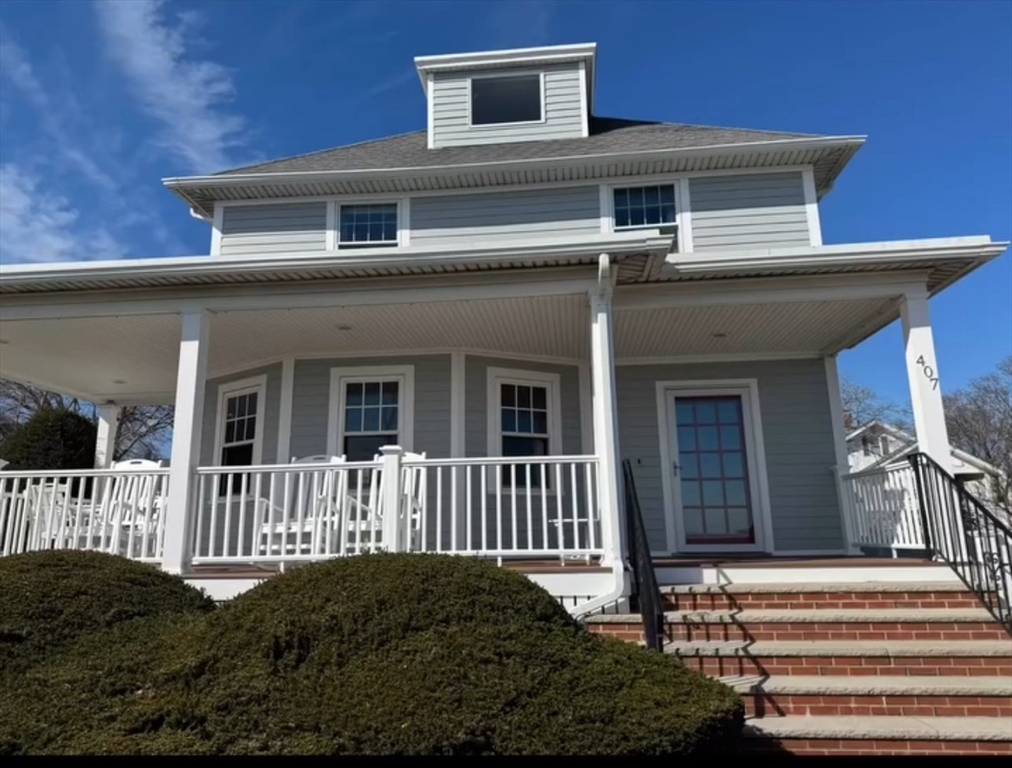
(928,371)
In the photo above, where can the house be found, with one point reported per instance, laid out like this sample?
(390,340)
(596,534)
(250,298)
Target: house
(877,446)
(449,341)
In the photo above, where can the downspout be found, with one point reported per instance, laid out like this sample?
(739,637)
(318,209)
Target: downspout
(620,575)
(202,217)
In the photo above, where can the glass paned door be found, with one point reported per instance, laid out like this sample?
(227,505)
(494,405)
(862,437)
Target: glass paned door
(711,470)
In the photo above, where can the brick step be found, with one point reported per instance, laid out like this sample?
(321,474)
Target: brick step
(840,624)
(875,695)
(858,595)
(976,658)
(807,735)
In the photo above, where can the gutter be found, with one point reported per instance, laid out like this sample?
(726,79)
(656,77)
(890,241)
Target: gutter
(883,253)
(378,258)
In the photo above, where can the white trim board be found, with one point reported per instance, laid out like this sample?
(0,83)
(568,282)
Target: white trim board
(285,405)
(748,390)
(404,375)
(256,384)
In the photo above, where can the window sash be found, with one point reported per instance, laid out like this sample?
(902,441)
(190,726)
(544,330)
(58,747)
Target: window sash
(638,207)
(367,225)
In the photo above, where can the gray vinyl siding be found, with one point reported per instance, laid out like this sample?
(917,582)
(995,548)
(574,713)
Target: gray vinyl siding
(459,220)
(274,228)
(271,413)
(563,109)
(760,210)
(797,433)
(311,402)
(476,402)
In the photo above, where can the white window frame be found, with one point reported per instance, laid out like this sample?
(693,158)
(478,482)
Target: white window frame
(525,378)
(256,384)
(500,75)
(334,224)
(404,375)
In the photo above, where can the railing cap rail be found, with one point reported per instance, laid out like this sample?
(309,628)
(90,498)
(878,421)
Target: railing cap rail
(71,473)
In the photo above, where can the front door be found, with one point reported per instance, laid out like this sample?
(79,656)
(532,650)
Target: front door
(714,489)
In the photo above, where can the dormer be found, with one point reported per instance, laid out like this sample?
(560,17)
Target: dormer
(500,97)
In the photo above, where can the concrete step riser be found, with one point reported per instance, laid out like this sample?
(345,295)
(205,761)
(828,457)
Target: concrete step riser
(812,631)
(903,666)
(874,747)
(815,600)
(779,704)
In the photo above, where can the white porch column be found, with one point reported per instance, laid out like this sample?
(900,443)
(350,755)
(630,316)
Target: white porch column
(842,465)
(922,374)
(190,384)
(602,370)
(105,441)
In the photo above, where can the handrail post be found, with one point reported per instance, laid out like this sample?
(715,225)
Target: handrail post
(391,496)
(915,464)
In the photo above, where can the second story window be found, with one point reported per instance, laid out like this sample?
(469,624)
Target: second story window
(652,206)
(367,226)
(506,99)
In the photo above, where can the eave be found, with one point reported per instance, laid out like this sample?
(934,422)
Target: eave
(828,156)
(291,267)
(943,260)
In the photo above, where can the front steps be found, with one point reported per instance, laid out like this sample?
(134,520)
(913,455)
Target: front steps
(846,668)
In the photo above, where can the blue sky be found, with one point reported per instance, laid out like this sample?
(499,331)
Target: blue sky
(100,100)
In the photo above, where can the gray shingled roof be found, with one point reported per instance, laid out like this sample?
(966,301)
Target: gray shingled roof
(608,136)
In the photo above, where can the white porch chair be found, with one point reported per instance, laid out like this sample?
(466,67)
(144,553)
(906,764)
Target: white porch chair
(321,510)
(124,518)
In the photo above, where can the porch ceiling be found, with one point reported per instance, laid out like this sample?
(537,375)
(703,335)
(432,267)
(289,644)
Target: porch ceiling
(133,359)
(784,328)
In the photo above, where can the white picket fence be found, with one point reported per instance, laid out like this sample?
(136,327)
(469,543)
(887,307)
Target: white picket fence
(883,508)
(121,512)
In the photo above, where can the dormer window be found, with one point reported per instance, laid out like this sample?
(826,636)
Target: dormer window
(502,99)
(367,226)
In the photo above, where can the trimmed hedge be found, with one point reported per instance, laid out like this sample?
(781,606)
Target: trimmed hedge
(53,438)
(49,599)
(377,654)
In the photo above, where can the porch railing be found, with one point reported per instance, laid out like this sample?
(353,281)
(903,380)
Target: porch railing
(883,507)
(495,507)
(121,512)
(286,512)
(505,507)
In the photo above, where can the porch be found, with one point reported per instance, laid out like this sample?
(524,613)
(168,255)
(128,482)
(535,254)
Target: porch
(460,415)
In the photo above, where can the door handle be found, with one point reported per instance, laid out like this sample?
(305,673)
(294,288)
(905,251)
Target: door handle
(675,468)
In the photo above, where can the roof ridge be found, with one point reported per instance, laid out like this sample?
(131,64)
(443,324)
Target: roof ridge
(300,155)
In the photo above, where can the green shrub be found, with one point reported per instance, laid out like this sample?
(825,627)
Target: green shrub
(53,438)
(49,599)
(379,654)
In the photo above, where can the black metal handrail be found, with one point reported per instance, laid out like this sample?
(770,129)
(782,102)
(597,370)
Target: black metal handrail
(970,538)
(646,594)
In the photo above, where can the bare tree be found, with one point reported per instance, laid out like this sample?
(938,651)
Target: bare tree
(979,418)
(143,430)
(862,405)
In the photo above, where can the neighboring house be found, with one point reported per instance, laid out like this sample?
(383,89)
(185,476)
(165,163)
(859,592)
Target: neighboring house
(449,340)
(878,446)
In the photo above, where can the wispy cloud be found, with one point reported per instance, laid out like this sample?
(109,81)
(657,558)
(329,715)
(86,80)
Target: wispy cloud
(54,117)
(36,225)
(186,96)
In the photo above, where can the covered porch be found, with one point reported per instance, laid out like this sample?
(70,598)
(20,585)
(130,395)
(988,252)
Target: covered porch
(463,414)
